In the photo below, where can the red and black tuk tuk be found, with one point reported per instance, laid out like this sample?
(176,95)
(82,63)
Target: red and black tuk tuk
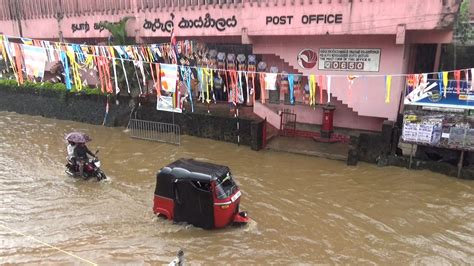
(199,193)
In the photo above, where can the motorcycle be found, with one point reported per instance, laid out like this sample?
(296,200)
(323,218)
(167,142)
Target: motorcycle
(91,169)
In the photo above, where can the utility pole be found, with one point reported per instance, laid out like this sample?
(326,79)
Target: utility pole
(59,17)
(16,13)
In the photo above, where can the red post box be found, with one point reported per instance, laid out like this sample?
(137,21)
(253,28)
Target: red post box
(327,127)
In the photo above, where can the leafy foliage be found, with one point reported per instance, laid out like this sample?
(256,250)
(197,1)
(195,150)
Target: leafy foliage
(118,33)
(463,29)
(46,88)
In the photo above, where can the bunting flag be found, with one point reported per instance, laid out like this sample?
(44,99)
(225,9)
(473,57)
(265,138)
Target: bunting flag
(466,75)
(410,83)
(440,81)
(457,77)
(186,74)
(291,81)
(247,86)
(112,52)
(75,70)
(233,93)
(10,51)
(18,62)
(3,51)
(261,77)
(472,79)
(321,88)
(350,79)
(30,57)
(240,88)
(35,60)
(329,88)
(168,77)
(388,84)
(158,80)
(312,90)
(67,78)
(445,82)
(209,81)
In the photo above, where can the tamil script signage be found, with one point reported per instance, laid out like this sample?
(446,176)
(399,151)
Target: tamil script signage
(364,60)
(430,93)
(85,27)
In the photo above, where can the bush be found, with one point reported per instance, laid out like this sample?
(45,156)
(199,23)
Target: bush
(47,88)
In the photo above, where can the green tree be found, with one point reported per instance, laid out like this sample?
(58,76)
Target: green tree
(118,36)
(463,29)
(117,31)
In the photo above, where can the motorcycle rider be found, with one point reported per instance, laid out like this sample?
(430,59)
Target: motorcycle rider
(81,151)
(71,155)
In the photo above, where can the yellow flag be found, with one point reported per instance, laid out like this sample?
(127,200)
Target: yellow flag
(388,85)
(445,82)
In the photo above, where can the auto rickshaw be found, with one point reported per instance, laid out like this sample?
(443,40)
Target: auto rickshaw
(199,193)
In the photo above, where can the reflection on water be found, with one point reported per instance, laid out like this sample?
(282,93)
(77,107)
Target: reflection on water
(305,209)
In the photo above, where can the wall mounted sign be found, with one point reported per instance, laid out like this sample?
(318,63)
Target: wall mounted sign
(363,60)
(206,22)
(307,58)
(304,19)
(431,94)
(99,26)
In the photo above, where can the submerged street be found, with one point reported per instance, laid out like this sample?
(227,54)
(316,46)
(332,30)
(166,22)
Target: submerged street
(305,209)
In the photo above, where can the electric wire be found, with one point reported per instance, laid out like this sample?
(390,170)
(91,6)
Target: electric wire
(3,225)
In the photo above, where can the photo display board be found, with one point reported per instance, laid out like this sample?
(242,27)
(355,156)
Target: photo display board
(439,129)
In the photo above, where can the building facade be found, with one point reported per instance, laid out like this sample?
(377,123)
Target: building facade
(356,42)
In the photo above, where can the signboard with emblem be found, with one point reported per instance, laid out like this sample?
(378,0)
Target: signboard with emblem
(362,60)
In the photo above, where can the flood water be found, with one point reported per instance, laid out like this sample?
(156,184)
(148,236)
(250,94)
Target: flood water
(305,209)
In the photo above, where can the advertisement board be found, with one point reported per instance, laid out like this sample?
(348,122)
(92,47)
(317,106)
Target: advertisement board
(431,93)
(165,103)
(438,129)
(362,60)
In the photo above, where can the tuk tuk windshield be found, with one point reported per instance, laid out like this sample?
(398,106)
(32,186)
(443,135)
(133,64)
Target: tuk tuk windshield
(225,186)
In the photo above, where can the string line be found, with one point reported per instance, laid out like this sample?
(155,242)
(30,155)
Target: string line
(46,244)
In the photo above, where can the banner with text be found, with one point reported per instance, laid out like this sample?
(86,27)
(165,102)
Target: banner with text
(430,93)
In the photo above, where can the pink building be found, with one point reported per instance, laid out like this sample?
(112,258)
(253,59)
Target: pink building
(365,38)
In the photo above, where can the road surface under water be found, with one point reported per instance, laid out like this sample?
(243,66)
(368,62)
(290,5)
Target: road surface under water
(305,209)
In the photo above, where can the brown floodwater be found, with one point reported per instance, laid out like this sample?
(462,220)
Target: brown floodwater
(304,209)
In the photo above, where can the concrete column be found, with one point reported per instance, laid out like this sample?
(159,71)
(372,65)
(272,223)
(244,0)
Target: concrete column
(437,57)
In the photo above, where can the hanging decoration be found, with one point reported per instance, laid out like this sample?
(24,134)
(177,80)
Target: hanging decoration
(445,82)
(457,77)
(312,90)
(321,88)
(329,88)
(291,81)
(168,77)
(440,80)
(388,84)
(35,60)
(27,60)
(350,79)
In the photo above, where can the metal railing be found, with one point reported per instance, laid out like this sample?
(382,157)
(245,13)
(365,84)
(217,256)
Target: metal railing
(154,131)
(287,124)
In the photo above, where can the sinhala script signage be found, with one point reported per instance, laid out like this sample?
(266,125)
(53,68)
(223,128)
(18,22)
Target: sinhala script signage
(367,60)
